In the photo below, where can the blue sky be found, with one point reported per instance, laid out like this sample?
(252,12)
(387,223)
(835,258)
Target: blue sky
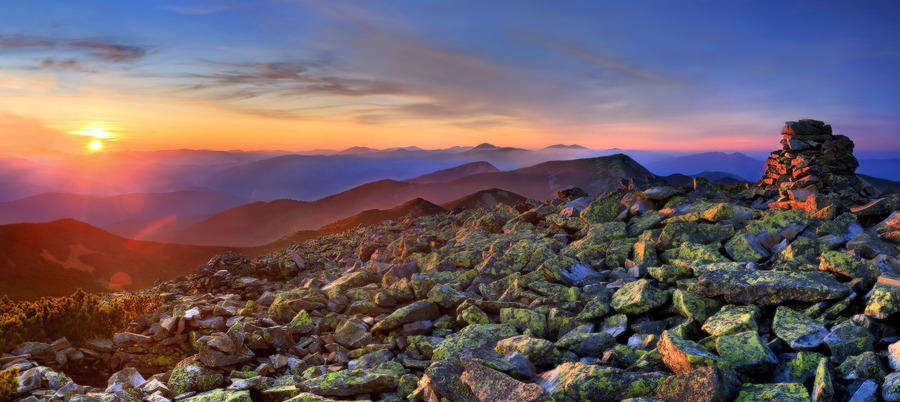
(310,74)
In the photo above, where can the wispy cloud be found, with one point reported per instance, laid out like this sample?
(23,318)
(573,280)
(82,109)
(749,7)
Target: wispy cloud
(110,51)
(64,65)
(97,49)
(200,7)
(290,79)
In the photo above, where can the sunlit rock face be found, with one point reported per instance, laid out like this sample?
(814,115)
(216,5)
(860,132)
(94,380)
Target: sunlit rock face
(814,168)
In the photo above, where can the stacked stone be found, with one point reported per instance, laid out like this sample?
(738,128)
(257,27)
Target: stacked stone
(812,162)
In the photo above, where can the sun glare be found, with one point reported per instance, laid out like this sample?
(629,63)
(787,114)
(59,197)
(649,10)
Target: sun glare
(95,132)
(95,145)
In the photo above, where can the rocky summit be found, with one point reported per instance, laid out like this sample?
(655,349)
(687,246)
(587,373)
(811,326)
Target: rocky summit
(813,168)
(650,293)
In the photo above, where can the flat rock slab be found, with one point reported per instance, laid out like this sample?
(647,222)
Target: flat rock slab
(749,286)
(732,319)
(798,330)
(637,298)
(781,392)
(747,352)
(884,301)
(350,382)
(582,381)
(707,384)
(492,385)
(421,310)
(683,356)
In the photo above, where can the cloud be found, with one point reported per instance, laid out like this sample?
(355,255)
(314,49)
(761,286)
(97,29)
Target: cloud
(64,65)
(303,79)
(95,48)
(110,51)
(201,7)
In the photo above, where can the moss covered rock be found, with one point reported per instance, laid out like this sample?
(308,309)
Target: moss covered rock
(781,392)
(581,382)
(474,337)
(194,377)
(422,310)
(749,286)
(221,395)
(848,339)
(745,247)
(747,353)
(884,301)
(863,366)
(491,385)
(683,356)
(798,330)
(823,389)
(538,351)
(706,384)
(848,265)
(603,209)
(351,382)
(693,305)
(732,319)
(637,298)
(586,344)
(525,320)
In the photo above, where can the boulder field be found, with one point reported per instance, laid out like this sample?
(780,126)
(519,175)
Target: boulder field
(651,293)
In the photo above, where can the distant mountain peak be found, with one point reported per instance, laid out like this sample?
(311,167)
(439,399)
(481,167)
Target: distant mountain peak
(455,172)
(485,145)
(564,146)
(357,150)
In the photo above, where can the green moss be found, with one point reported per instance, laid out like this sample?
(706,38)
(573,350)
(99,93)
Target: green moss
(579,381)
(774,221)
(682,355)
(474,337)
(803,366)
(638,297)
(700,253)
(783,392)
(747,352)
(645,222)
(694,305)
(798,330)
(301,323)
(864,366)
(670,273)
(742,247)
(823,390)
(884,301)
(848,265)
(280,393)
(603,209)
(732,319)
(525,320)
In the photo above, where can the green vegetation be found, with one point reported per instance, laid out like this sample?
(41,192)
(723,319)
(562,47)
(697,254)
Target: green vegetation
(77,317)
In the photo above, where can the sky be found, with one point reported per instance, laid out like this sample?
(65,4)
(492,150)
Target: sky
(300,75)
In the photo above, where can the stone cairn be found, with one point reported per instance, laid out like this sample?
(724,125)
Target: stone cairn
(814,169)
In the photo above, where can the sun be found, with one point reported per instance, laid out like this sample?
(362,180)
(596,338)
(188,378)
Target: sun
(95,145)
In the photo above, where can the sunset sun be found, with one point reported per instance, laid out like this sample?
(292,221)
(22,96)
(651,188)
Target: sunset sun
(96,145)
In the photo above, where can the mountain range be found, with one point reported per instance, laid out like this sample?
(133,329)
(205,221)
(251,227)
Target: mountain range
(263,222)
(55,258)
(179,230)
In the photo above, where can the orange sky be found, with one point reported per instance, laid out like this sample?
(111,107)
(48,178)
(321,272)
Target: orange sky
(70,123)
(275,75)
